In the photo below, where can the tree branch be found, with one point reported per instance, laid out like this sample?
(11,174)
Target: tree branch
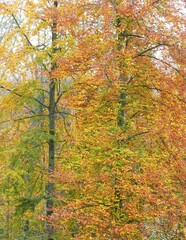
(59,97)
(133,136)
(150,49)
(20,28)
(130,35)
(36,115)
(19,95)
(166,63)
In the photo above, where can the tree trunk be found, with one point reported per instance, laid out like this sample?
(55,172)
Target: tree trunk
(51,142)
(118,203)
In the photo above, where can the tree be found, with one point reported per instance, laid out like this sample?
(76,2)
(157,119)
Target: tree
(122,140)
(32,73)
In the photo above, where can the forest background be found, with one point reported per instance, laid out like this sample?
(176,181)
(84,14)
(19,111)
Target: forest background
(92,103)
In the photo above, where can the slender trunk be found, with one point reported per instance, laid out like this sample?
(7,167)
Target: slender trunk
(118,203)
(51,143)
(51,161)
(121,111)
(122,100)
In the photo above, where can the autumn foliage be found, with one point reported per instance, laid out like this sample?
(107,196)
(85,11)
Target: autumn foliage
(104,82)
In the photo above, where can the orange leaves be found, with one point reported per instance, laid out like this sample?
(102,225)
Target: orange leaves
(125,10)
(137,8)
(119,104)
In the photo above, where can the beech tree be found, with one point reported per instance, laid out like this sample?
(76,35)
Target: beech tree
(92,127)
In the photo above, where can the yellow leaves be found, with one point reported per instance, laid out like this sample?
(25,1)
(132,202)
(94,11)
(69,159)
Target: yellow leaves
(110,178)
(9,8)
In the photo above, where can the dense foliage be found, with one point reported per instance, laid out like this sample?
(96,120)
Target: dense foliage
(92,119)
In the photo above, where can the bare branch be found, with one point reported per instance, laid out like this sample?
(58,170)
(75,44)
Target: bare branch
(166,63)
(133,136)
(131,35)
(59,97)
(20,28)
(150,49)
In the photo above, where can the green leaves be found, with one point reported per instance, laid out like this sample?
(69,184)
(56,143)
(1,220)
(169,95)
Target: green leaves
(82,86)
(26,204)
